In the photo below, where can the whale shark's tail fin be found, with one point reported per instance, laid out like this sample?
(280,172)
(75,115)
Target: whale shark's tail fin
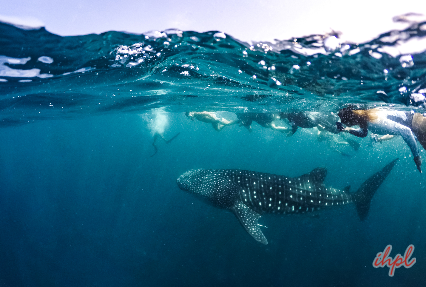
(362,197)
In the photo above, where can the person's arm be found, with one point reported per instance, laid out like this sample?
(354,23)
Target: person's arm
(361,132)
(385,138)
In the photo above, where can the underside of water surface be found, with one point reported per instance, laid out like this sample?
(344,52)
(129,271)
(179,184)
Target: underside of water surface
(43,75)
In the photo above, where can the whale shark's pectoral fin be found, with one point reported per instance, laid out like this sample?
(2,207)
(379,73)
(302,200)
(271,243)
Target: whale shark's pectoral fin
(248,219)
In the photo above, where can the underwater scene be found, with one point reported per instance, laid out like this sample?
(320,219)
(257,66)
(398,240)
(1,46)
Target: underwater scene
(179,158)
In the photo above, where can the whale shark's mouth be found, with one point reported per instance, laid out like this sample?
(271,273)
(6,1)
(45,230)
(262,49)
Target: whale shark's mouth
(184,181)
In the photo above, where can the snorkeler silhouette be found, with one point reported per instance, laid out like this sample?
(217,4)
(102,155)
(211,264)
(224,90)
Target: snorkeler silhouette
(265,120)
(307,120)
(407,124)
(218,123)
(325,123)
(158,135)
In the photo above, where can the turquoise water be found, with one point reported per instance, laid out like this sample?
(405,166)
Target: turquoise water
(84,203)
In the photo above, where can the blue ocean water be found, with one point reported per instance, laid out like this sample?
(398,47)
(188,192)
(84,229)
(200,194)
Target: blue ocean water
(83,201)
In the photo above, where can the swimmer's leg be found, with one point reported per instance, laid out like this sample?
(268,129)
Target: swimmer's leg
(293,130)
(234,122)
(385,138)
(225,122)
(217,126)
(170,140)
(153,144)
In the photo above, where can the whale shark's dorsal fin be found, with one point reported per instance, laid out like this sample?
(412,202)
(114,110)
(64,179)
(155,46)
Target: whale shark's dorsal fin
(316,176)
(248,219)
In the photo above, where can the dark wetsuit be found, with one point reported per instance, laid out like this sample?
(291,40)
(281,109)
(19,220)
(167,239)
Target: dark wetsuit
(308,120)
(263,119)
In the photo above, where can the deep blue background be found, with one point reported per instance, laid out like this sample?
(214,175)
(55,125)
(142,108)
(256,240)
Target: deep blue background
(82,203)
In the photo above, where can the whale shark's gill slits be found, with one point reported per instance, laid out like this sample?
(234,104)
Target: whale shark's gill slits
(260,182)
(282,189)
(247,188)
(272,193)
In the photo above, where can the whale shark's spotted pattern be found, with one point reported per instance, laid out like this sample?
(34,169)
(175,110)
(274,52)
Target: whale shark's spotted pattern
(249,194)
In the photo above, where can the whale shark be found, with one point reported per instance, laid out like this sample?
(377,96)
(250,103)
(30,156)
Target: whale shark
(250,194)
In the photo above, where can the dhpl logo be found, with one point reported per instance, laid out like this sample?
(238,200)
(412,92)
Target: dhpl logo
(383,260)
